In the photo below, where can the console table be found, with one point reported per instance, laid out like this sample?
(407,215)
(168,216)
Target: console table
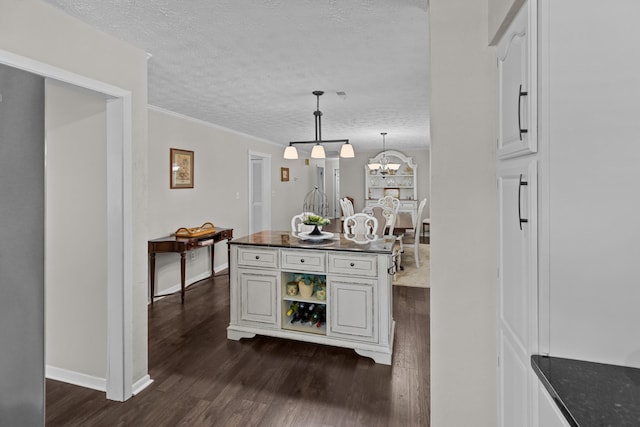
(182,245)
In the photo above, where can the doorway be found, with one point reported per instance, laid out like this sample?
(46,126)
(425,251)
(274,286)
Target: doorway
(259,192)
(118,220)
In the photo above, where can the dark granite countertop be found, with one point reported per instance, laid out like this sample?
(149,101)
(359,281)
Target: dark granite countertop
(589,393)
(284,239)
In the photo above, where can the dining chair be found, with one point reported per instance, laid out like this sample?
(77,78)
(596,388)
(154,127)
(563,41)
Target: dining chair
(298,225)
(412,240)
(347,209)
(361,228)
(384,215)
(391,202)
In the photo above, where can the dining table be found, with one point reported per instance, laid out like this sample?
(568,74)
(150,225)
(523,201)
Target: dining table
(404,222)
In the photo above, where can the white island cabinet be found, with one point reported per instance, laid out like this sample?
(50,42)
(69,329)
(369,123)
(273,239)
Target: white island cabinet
(348,302)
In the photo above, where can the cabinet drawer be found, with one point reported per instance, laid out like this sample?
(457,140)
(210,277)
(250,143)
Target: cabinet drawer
(360,265)
(254,257)
(303,260)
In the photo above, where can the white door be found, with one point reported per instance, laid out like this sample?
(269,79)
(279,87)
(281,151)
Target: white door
(259,192)
(516,89)
(517,291)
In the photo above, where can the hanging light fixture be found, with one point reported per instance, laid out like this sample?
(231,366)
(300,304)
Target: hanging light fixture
(384,166)
(346,151)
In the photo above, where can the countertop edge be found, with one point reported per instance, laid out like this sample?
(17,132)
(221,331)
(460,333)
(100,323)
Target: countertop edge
(552,391)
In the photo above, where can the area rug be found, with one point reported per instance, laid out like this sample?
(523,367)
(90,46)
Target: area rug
(412,276)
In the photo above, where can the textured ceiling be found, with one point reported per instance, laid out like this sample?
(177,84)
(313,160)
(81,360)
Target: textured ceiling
(251,65)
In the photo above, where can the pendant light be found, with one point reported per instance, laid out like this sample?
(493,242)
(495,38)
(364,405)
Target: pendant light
(346,151)
(384,166)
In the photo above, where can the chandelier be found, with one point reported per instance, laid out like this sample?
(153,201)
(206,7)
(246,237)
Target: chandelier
(346,151)
(385,165)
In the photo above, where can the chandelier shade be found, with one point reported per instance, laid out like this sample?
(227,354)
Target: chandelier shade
(346,151)
(291,152)
(317,152)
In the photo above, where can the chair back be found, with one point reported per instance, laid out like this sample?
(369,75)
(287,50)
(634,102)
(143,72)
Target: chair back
(418,222)
(394,204)
(360,228)
(385,217)
(347,207)
(297,223)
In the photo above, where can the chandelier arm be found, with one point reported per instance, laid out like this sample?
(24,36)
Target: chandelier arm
(318,129)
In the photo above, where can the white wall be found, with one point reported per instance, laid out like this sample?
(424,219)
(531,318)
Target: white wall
(39,31)
(220,193)
(75,230)
(463,211)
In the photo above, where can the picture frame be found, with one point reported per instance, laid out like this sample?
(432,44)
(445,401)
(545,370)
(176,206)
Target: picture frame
(392,191)
(284,174)
(180,168)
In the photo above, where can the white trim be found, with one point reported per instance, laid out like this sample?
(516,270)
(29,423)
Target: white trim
(75,378)
(210,125)
(187,283)
(266,181)
(119,219)
(46,70)
(141,384)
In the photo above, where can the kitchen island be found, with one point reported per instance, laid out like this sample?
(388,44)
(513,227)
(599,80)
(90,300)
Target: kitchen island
(333,292)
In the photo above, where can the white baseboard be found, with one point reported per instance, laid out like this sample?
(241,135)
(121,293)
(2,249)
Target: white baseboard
(191,281)
(76,378)
(141,384)
(221,267)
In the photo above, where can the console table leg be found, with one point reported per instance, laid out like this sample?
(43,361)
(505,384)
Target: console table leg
(183,267)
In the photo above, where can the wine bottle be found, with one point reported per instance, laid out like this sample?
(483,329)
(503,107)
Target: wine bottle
(295,317)
(310,310)
(322,316)
(293,308)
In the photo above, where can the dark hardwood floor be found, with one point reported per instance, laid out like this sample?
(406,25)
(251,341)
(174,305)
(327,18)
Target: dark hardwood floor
(203,379)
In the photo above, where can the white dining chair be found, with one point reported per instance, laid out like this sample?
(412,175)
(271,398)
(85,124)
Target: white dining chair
(347,209)
(298,225)
(384,215)
(360,228)
(391,202)
(412,240)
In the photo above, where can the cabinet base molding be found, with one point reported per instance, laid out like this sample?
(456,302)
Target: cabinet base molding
(379,354)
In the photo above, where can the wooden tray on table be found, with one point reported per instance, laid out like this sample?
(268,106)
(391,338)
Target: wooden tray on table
(204,230)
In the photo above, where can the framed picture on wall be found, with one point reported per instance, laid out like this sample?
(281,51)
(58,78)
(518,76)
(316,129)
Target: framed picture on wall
(181,168)
(284,174)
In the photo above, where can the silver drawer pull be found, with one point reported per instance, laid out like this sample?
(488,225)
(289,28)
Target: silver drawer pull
(301,259)
(352,265)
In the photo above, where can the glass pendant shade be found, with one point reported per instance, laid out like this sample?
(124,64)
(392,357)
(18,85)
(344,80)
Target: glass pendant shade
(374,166)
(317,152)
(346,151)
(291,152)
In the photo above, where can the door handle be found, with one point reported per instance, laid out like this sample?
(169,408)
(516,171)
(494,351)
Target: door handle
(520,95)
(521,183)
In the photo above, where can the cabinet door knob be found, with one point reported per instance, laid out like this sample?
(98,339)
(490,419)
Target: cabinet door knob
(301,259)
(257,256)
(352,264)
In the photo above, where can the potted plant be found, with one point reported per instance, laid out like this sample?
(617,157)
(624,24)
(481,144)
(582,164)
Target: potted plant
(317,221)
